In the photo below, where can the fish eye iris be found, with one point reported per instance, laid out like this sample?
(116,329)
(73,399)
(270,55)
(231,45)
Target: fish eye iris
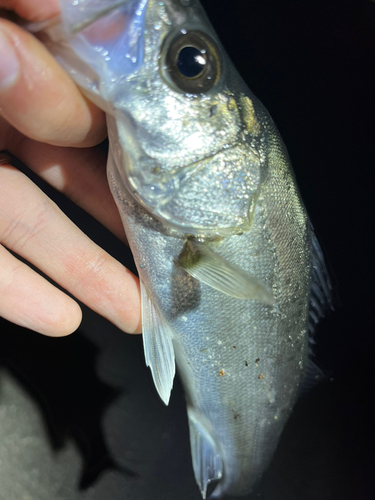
(191,62)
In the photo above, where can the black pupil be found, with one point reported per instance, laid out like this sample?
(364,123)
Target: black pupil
(190,62)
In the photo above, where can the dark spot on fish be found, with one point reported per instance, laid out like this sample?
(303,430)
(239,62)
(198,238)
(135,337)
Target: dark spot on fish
(185,291)
(222,373)
(235,415)
(257,360)
(246,363)
(261,376)
(234,347)
(213,110)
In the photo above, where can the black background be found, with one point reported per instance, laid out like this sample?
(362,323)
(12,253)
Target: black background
(312,65)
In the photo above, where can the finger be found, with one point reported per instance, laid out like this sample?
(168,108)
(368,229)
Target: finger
(39,99)
(44,236)
(29,300)
(33,10)
(78,173)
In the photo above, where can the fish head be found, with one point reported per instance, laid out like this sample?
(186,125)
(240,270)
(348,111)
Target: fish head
(186,135)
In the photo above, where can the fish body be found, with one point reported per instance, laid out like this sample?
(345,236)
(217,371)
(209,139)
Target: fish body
(226,256)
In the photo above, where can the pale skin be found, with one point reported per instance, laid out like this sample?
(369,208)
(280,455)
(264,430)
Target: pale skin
(47,124)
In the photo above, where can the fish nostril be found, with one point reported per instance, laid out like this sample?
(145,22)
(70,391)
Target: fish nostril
(213,110)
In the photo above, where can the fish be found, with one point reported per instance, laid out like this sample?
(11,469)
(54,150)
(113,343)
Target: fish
(233,280)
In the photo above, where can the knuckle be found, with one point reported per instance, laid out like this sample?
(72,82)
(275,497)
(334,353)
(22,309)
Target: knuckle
(21,227)
(87,268)
(97,267)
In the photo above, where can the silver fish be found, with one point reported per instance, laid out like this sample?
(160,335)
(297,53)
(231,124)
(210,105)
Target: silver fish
(232,277)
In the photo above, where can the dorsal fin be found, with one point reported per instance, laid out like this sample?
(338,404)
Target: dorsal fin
(320,291)
(321,287)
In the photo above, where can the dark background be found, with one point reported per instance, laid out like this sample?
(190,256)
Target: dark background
(312,65)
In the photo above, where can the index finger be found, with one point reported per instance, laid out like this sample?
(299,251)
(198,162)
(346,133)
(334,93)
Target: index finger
(39,99)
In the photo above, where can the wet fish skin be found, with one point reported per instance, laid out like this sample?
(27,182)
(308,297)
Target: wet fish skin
(208,200)
(240,404)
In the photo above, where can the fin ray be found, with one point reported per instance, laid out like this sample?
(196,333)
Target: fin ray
(321,287)
(210,268)
(314,375)
(207,463)
(158,347)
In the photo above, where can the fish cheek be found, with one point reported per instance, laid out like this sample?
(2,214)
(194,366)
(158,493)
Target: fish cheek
(185,291)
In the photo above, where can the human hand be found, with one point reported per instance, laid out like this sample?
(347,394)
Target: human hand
(53,129)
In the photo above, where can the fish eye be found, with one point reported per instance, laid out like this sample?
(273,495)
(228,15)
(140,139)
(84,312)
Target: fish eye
(191,62)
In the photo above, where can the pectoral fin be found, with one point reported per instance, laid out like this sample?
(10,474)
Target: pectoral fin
(207,266)
(207,463)
(157,343)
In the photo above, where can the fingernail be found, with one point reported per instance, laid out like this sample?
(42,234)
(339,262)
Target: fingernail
(9,65)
